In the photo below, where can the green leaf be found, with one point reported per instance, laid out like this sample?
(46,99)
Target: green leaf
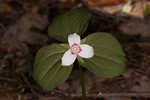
(108,59)
(48,71)
(74,21)
(147,10)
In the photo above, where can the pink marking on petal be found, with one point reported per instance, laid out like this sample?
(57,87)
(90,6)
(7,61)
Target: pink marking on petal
(75,44)
(79,49)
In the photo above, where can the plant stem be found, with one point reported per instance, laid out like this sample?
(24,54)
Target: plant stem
(82,83)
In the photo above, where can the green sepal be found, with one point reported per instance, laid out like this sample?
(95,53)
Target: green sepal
(74,21)
(109,58)
(48,72)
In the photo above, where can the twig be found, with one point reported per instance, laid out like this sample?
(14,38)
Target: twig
(4,47)
(8,79)
(145,94)
(139,94)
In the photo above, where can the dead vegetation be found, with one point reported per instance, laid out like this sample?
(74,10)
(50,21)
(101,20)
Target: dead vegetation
(23,30)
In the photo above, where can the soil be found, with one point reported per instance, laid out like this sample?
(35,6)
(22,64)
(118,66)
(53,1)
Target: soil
(23,30)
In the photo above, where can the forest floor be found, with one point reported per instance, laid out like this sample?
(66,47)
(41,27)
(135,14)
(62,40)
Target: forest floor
(23,30)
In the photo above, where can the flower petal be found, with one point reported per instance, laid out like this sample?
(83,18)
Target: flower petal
(68,58)
(73,38)
(87,51)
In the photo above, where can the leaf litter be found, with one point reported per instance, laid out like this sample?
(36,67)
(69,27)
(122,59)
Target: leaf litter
(24,31)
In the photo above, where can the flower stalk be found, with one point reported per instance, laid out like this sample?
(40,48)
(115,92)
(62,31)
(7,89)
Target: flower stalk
(82,83)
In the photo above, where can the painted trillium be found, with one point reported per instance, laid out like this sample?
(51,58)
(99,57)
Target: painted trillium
(83,50)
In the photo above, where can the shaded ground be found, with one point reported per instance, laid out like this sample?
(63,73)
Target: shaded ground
(23,30)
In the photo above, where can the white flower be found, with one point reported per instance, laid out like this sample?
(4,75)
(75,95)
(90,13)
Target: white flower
(76,48)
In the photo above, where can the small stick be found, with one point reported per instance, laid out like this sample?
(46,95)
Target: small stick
(145,94)
(138,94)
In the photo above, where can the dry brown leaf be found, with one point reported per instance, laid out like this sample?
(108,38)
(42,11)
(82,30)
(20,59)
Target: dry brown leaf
(118,98)
(136,27)
(5,8)
(21,31)
(104,2)
(143,85)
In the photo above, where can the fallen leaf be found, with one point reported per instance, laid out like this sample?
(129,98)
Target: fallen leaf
(117,98)
(4,7)
(21,31)
(104,2)
(136,27)
(143,85)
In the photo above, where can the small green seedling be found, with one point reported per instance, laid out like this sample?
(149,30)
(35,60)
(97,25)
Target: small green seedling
(99,52)
(147,10)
